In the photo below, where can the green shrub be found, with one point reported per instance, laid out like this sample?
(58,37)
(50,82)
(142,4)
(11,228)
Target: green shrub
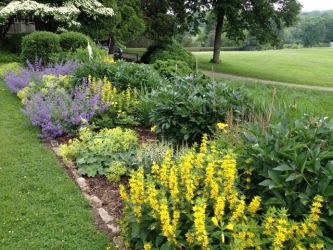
(121,74)
(170,67)
(173,52)
(7,57)
(41,44)
(9,67)
(190,106)
(96,152)
(14,43)
(70,41)
(291,164)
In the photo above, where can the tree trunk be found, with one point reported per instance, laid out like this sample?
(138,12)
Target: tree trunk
(218,32)
(111,45)
(3,31)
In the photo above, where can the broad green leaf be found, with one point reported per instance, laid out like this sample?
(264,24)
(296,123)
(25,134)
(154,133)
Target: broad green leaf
(136,230)
(80,161)
(275,177)
(165,246)
(322,185)
(266,183)
(298,146)
(159,239)
(283,167)
(144,235)
(273,201)
(292,177)
(329,191)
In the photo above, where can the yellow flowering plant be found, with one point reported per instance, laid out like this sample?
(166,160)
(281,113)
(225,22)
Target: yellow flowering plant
(193,203)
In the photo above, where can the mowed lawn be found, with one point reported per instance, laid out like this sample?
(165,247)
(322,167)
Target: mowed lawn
(40,206)
(302,66)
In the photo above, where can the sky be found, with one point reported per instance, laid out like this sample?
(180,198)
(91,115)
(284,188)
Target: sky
(310,5)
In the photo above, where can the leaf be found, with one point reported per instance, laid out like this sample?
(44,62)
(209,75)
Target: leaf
(275,177)
(136,230)
(322,185)
(292,177)
(144,235)
(165,246)
(298,146)
(328,191)
(273,201)
(266,183)
(159,239)
(80,161)
(283,167)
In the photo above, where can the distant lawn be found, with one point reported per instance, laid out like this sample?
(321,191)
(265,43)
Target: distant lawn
(302,66)
(40,206)
(134,51)
(312,102)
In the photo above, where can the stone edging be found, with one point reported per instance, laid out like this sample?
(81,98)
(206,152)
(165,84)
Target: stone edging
(97,204)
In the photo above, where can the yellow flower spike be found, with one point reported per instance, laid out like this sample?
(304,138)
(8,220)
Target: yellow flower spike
(215,221)
(222,125)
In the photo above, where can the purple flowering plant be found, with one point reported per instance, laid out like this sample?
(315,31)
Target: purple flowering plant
(59,112)
(35,72)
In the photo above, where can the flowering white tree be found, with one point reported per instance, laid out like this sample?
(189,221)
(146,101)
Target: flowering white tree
(66,14)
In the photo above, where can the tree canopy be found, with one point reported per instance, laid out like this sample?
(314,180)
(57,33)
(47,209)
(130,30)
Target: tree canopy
(262,17)
(63,12)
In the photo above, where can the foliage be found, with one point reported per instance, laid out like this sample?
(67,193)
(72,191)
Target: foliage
(123,110)
(70,41)
(154,152)
(194,203)
(172,52)
(41,44)
(170,67)
(56,112)
(17,81)
(6,57)
(97,152)
(121,74)
(313,32)
(116,170)
(14,43)
(291,163)
(190,106)
(9,67)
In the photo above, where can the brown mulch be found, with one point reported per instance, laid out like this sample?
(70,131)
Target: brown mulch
(107,192)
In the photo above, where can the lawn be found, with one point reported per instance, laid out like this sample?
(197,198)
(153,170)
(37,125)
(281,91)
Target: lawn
(302,66)
(134,51)
(41,207)
(312,102)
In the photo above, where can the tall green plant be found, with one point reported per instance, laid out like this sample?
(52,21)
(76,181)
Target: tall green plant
(291,163)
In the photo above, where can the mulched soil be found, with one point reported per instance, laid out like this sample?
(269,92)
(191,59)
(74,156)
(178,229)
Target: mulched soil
(107,192)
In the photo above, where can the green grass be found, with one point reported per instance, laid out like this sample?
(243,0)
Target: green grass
(312,102)
(40,206)
(301,66)
(134,51)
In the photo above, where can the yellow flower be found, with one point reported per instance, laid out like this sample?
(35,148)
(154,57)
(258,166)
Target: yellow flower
(153,129)
(127,245)
(248,160)
(214,220)
(222,125)
(147,246)
(230,226)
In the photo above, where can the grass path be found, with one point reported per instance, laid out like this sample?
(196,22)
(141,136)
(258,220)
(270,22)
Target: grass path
(40,206)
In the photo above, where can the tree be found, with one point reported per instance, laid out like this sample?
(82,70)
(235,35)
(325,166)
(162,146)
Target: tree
(126,24)
(60,12)
(236,16)
(313,31)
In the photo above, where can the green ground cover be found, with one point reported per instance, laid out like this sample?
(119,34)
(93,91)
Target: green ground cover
(41,207)
(302,66)
(313,102)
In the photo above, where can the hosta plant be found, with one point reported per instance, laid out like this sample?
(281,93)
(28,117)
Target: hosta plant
(96,152)
(194,203)
(290,164)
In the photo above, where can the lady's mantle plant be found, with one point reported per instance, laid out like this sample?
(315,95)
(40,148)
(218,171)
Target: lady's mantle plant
(97,152)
